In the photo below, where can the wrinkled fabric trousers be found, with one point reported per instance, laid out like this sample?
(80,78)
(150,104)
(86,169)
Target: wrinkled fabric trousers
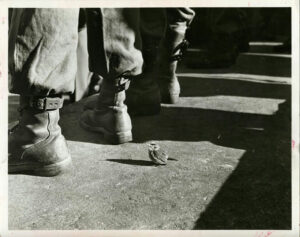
(43,44)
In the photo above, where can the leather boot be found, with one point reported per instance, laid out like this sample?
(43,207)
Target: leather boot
(143,95)
(172,49)
(142,98)
(109,115)
(36,145)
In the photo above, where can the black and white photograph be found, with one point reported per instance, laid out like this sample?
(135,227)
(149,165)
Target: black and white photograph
(152,118)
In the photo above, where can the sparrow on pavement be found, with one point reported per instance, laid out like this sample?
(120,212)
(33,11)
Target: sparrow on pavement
(156,154)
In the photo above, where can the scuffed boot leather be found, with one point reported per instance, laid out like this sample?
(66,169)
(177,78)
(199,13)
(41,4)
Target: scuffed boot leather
(172,49)
(36,145)
(110,116)
(142,98)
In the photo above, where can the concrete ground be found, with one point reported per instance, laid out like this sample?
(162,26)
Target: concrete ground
(230,133)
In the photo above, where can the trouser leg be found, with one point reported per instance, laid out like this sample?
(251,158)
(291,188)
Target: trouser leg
(172,45)
(42,51)
(114,41)
(114,45)
(177,15)
(42,66)
(152,25)
(83,75)
(143,97)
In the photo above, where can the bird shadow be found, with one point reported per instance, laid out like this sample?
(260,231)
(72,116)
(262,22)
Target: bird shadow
(132,162)
(172,159)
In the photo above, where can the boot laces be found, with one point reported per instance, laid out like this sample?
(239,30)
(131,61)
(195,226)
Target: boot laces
(181,50)
(122,81)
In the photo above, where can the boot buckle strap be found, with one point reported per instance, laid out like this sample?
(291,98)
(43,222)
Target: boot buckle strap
(47,103)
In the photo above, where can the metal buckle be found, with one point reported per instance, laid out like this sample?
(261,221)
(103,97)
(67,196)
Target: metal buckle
(53,103)
(46,103)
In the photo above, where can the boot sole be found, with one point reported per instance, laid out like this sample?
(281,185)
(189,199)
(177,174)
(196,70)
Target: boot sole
(39,170)
(113,138)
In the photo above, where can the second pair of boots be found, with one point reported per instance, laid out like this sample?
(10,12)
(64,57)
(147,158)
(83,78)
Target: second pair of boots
(157,84)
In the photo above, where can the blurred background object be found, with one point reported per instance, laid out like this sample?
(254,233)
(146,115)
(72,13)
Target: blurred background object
(218,35)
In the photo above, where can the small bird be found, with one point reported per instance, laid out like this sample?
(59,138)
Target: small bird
(157,155)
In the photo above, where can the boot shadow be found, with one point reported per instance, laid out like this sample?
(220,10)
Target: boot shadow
(71,128)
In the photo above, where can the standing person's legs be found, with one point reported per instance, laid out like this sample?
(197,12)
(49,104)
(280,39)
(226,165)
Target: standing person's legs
(143,97)
(172,45)
(42,66)
(83,75)
(114,46)
(167,26)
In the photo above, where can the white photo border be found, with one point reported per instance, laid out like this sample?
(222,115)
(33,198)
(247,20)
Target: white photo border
(4,5)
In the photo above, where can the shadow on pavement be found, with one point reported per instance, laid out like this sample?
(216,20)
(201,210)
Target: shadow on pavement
(248,63)
(257,195)
(194,124)
(232,87)
(178,123)
(133,162)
